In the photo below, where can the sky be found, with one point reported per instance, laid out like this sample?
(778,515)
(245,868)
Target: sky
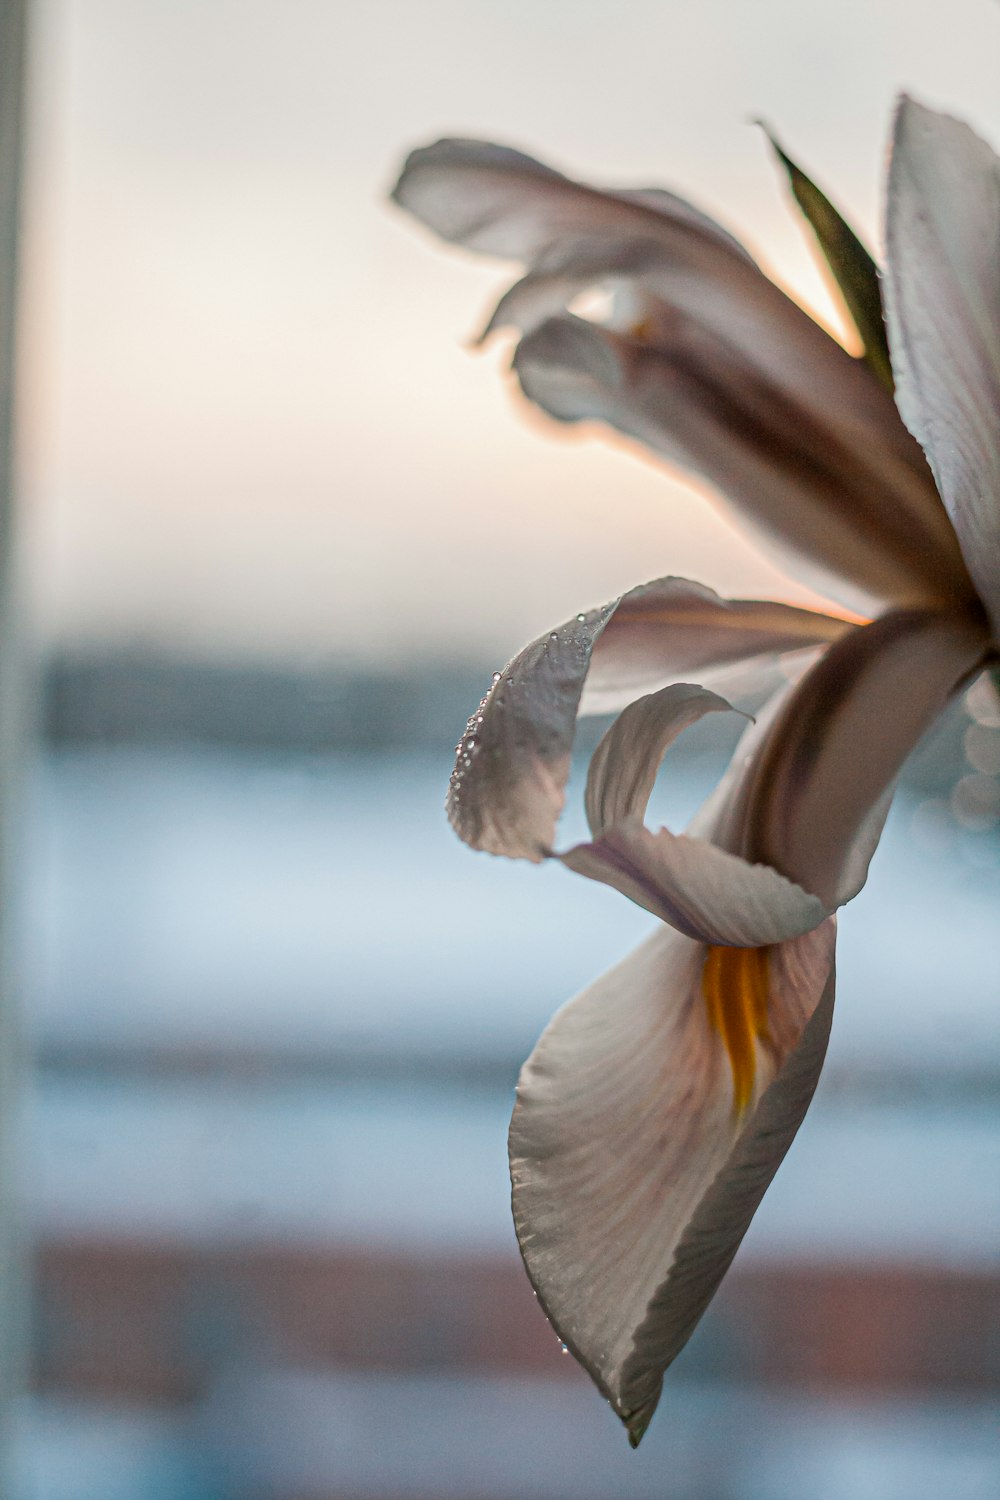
(250,424)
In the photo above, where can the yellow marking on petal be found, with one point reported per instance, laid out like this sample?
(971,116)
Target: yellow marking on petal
(734,983)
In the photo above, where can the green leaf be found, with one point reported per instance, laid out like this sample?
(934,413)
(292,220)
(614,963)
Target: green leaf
(853,268)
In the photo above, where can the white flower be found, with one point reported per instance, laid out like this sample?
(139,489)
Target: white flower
(659,1103)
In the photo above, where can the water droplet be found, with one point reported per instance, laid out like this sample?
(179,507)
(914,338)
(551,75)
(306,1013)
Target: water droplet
(582,619)
(496,677)
(553,635)
(564,1348)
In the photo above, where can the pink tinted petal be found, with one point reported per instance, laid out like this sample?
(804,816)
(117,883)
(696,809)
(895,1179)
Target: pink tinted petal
(508,786)
(802,977)
(818,788)
(623,767)
(700,291)
(674,628)
(559,277)
(500,202)
(633,1179)
(850,498)
(722,815)
(722,818)
(488,198)
(943,311)
(703,891)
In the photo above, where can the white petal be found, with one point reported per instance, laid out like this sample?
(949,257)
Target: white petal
(849,498)
(623,767)
(702,291)
(817,792)
(633,1180)
(675,629)
(508,786)
(703,891)
(500,202)
(943,311)
(722,815)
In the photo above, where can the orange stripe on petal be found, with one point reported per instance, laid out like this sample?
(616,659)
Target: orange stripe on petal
(734,984)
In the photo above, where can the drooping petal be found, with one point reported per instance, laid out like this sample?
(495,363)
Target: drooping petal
(699,889)
(498,201)
(501,202)
(851,500)
(704,892)
(634,1179)
(943,308)
(688,272)
(802,982)
(674,629)
(721,817)
(508,786)
(623,768)
(818,789)
(563,271)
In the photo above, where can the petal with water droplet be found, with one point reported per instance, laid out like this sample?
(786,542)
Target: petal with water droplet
(633,1178)
(508,798)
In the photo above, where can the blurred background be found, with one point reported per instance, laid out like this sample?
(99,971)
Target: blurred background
(279,527)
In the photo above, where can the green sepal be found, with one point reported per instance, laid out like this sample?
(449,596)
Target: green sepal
(850,263)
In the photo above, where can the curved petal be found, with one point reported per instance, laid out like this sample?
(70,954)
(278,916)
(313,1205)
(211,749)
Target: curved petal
(623,768)
(721,817)
(674,628)
(851,500)
(508,786)
(943,309)
(704,892)
(699,889)
(494,200)
(562,272)
(818,789)
(501,202)
(633,1179)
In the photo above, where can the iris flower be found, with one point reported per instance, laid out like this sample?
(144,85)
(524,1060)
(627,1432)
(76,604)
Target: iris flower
(658,1104)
